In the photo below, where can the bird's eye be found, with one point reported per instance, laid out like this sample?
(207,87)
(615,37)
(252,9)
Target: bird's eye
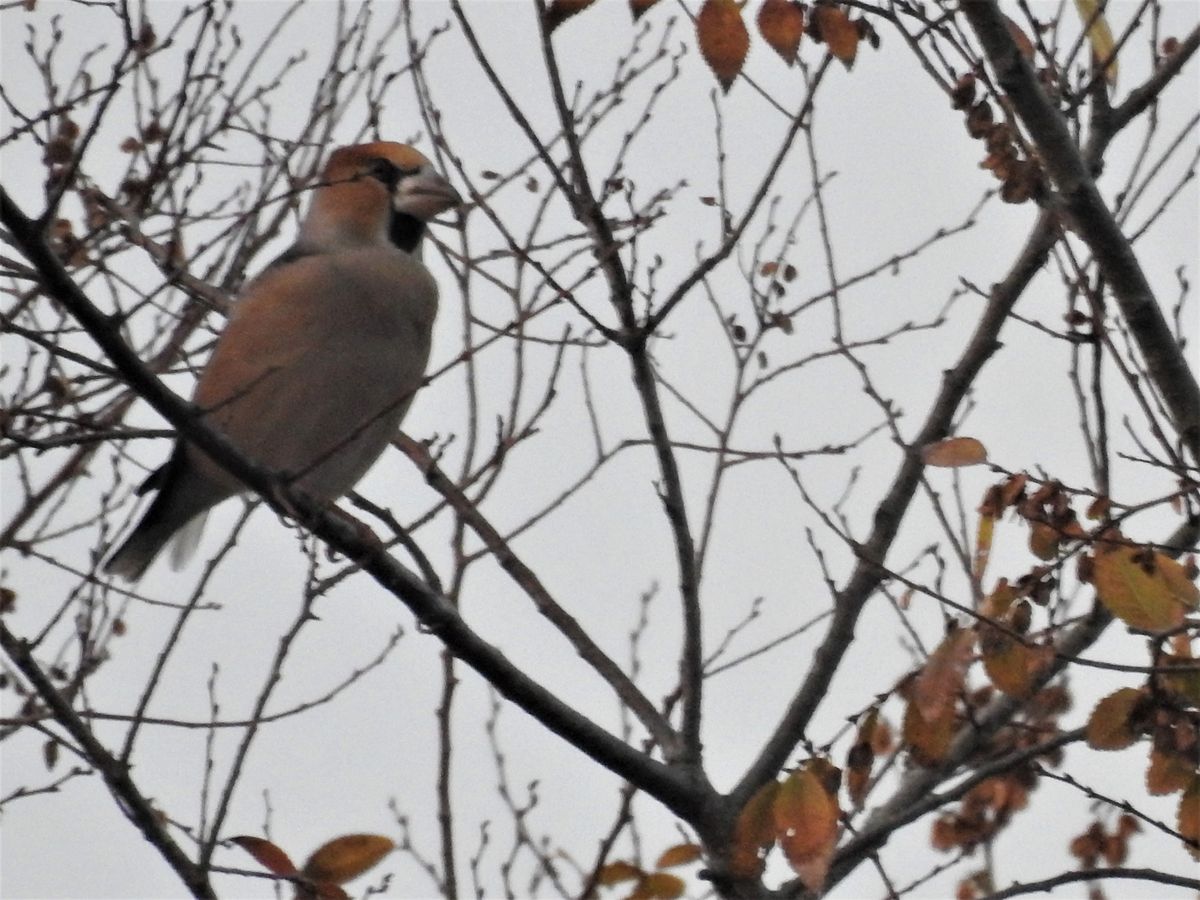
(388,172)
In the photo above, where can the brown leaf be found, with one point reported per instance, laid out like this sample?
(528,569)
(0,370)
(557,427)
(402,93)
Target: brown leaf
(658,886)
(1108,727)
(754,832)
(346,857)
(679,855)
(268,855)
(1168,772)
(617,871)
(837,31)
(724,41)
(1043,541)
(1143,588)
(560,10)
(806,823)
(640,7)
(781,23)
(1011,666)
(1020,39)
(928,741)
(954,452)
(940,681)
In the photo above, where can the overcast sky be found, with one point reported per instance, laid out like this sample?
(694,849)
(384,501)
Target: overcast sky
(904,168)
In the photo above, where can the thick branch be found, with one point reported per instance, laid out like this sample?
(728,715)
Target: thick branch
(1092,219)
(434,612)
(868,573)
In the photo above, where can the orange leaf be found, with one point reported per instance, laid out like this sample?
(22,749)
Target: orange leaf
(617,871)
(754,832)
(1189,816)
(724,41)
(560,10)
(940,681)
(954,452)
(679,855)
(640,7)
(781,23)
(1145,589)
(837,31)
(658,886)
(806,822)
(1108,727)
(347,857)
(268,855)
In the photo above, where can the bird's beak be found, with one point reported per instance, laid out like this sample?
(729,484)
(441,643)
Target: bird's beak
(424,195)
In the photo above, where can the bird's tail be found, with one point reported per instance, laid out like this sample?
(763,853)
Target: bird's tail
(179,509)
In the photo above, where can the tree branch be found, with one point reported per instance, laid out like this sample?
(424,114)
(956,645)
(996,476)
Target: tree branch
(1091,218)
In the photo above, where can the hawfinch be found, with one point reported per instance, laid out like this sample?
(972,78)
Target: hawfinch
(322,354)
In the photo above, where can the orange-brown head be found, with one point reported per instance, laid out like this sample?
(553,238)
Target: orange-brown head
(376,193)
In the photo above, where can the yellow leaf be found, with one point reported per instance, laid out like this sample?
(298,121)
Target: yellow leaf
(983,545)
(658,886)
(1109,727)
(679,855)
(954,452)
(754,832)
(1142,588)
(346,857)
(1100,36)
(724,41)
(617,871)
(781,23)
(268,855)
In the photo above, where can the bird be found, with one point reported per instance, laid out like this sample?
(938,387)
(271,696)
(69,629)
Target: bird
(321,355)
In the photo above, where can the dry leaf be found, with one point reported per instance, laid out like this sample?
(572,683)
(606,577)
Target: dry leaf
(806,823)
(658,886)
(940,681)
(1020,38)
(1109,726)
(1143,588)
(724,41)
(679,855)
(1168,773)
(754,832)
(268,855)
(560,10)
(954,452)
(837,31)
(617,871)
(640,7)
(1100,36)
(346,857)
(983,546)
(781,23)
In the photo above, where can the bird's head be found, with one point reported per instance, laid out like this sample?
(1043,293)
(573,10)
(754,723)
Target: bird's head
(376,193)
